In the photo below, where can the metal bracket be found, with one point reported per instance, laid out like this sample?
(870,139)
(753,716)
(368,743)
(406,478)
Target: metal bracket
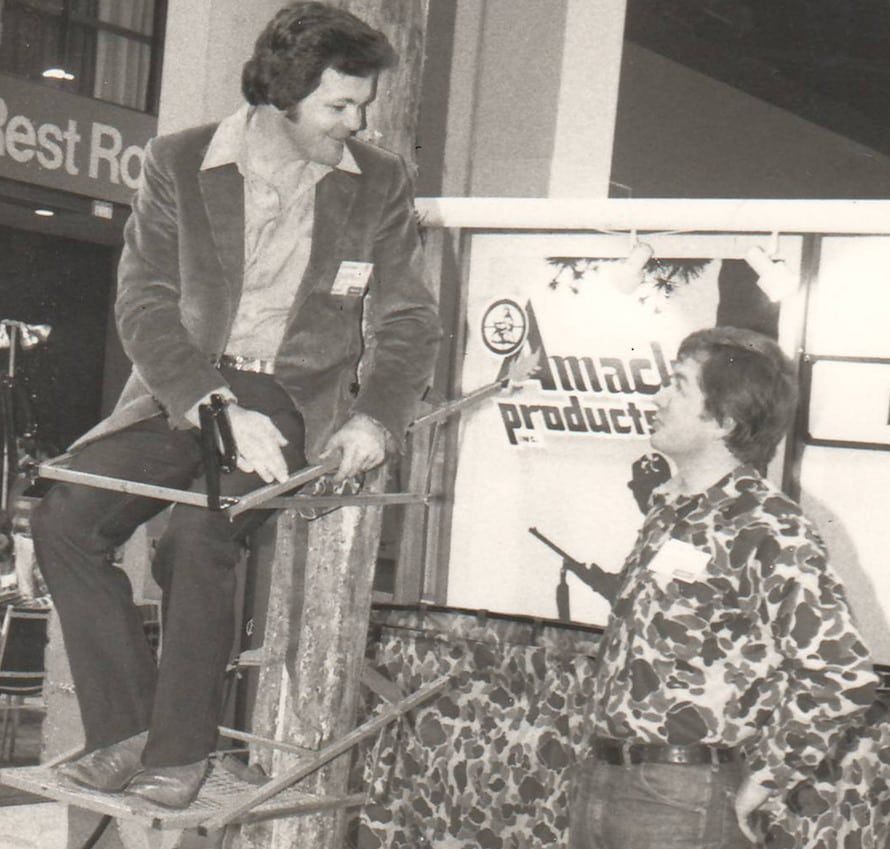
(218,449)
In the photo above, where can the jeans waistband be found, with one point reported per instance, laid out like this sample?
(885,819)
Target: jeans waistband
(623,753)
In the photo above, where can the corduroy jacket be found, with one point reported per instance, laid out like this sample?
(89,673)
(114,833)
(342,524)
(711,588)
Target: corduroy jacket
(180,279)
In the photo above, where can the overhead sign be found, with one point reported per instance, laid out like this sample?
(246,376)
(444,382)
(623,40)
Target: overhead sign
(63,141)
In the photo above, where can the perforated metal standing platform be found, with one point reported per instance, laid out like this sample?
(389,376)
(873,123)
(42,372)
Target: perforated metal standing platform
(221,791)
(225,797)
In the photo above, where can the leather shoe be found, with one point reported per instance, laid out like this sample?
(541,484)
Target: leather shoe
(108,769)
(170,786)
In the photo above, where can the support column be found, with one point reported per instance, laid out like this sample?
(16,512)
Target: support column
(588,98)
(206,44)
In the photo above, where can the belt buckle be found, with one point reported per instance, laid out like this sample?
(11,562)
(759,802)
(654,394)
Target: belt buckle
(680,755)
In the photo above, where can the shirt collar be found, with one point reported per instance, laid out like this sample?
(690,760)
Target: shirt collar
(728,486)
(229,145)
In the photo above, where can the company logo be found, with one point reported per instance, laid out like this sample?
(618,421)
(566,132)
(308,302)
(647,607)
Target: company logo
(504,327)
(595,394)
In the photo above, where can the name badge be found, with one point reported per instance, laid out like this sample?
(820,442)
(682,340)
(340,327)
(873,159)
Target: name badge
(352,278)
(679,561)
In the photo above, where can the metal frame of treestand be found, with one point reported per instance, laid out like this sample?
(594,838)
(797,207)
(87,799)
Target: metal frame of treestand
(275,495)
(228,795)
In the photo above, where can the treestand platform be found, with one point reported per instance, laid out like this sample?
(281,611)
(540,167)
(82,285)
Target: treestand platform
(221,791)
(225,798)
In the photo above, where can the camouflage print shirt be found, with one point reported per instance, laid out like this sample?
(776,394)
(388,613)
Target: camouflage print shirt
(730,628)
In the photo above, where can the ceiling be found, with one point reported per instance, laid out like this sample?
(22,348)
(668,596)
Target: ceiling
(827,61)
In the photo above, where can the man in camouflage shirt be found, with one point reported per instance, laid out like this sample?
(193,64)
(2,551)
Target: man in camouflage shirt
(730,665)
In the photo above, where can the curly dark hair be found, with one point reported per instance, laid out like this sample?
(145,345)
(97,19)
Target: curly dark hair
(300,42)
(745,377)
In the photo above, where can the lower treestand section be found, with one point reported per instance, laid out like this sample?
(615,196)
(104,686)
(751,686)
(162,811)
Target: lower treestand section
(221,791)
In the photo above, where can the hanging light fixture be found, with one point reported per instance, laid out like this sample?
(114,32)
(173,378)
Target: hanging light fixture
(627,275)
(774,276)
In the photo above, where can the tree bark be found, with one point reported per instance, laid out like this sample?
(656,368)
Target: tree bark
(313,653)
(393,116)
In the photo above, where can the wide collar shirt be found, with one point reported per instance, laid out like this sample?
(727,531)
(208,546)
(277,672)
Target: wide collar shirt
(279,214)
(730,628)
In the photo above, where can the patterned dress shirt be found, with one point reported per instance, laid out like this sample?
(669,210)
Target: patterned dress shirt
(730,628)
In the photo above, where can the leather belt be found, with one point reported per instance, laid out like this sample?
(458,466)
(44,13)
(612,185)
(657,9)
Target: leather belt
(252,364)
(620,753)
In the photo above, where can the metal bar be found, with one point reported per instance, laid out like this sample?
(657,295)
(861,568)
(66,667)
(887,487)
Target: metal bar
(247,737)
(382,499)
(861,217)
(450,408)
(310,806)
(231,506)
(328,753)
(260,496)
(12,331)
(164,493)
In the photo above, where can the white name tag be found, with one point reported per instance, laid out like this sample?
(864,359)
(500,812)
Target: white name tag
(352,278)
(679,561)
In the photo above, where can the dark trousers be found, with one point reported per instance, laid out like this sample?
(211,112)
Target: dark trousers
(76,529)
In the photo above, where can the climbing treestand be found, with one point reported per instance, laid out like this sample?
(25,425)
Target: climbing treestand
(230,794)
(311,664)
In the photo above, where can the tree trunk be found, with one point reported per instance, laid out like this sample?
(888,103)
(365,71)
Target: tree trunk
(392,117)
(313,653)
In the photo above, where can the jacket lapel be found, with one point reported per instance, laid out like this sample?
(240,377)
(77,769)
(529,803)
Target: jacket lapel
(223,191)
(334,198)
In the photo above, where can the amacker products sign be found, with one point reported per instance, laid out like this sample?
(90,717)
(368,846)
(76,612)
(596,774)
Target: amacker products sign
(63,141)
(586,394)
(556,454)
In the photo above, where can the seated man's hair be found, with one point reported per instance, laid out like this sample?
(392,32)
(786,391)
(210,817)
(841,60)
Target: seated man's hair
(745,377)
(300,42)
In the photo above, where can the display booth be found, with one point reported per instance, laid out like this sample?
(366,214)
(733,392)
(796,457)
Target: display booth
(591,299)
(588,303)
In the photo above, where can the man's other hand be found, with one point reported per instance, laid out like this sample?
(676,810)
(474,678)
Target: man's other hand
(360,445)
(259,444)
(749,798)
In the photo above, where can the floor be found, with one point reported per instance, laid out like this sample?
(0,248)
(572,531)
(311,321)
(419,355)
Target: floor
(29,822)
(34,826)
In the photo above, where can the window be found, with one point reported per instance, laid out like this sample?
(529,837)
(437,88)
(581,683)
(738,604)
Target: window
(107,49)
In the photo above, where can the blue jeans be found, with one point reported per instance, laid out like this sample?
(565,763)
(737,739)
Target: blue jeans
(654,806)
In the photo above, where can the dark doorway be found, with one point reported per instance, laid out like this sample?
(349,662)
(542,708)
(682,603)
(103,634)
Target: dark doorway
(68,285)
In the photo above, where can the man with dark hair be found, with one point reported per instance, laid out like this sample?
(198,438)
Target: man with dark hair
(730,665)
(258,250)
